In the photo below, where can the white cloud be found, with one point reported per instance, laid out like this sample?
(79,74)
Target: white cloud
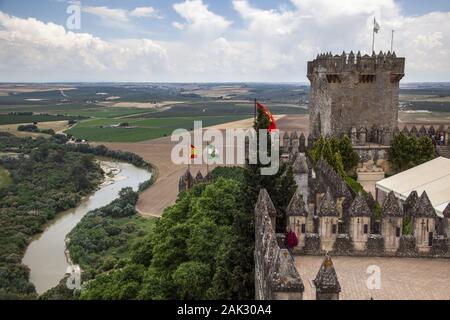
(107,13)
(120,15)
(199,19)
(288,38)
(271,45)
(143,12)
(39,51)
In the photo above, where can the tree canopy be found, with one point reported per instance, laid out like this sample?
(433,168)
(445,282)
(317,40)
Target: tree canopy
(408,151)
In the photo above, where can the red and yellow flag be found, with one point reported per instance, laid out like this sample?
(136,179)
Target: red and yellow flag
(268,114)
(194,152)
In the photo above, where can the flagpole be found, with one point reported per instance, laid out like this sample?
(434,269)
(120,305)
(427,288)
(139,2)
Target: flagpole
(254,112)
(392,42)
(373,36)
(207,158)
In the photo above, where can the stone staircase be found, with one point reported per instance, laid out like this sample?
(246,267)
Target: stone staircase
(443,151)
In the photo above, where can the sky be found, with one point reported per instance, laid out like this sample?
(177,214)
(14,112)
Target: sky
(212,40)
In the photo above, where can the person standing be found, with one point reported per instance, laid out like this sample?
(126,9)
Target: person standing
(291,241)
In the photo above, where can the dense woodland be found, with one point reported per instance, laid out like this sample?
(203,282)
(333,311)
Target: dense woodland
(202,247)
(46,178)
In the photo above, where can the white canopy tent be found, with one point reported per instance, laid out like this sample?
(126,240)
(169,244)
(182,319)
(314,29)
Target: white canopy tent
(432,177)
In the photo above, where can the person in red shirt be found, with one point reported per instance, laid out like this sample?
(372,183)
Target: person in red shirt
(291,241)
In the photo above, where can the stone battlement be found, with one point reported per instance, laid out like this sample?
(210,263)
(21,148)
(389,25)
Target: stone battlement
(351,90)
(366,65)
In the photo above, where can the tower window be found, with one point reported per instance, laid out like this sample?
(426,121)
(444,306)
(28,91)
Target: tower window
(397,232)
(303,228)
(333,228)
(366,229)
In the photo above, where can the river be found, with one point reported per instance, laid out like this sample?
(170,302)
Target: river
(45,256)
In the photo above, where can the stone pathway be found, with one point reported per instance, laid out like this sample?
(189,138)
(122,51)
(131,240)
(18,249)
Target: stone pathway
(401,278)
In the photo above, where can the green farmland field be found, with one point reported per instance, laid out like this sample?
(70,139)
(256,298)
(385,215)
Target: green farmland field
(145,129)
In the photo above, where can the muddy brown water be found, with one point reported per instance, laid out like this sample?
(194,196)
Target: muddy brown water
(45,256)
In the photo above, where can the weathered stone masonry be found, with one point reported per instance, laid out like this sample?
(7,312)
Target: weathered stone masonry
(276,276)
(355,95)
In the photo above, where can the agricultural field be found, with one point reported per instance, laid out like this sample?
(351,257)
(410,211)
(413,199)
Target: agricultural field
(140,129)
(431,98)
(154,110)
(56,126)
(150,110)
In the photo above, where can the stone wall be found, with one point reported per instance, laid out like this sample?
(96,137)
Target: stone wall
(375,245)
(407,246)
(276,276)
(354,91)
(343,245)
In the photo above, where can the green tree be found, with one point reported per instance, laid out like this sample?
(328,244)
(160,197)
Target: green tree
(192,280)
(338,153)
(349,156)
(407,151)
(285,188)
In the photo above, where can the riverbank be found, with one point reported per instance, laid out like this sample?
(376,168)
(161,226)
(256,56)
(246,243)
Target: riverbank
(111,171)
(46,256)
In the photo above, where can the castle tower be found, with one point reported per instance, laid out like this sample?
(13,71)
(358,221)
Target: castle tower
(326,282)
(424,223)
(297,213)
(348,92)
(359,228)
(391,223)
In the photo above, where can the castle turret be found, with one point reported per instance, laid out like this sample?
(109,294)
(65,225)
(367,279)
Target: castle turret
(391,222)
(422,131)
(446,219)
(371,201)
(360,215)
(424,223)
(297,214)
(414,132)
(186,181)
(348,92)
(294,142)
(326,282)
(208,177)
(301,171)
(265,202)
(409,204)
(302,143)
(328,221)
(286,143)
(181,184)
(199,177)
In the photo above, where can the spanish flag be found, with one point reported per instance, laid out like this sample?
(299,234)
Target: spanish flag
(194,152)
(265,110)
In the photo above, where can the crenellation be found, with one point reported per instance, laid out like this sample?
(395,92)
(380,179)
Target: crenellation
(354,91)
